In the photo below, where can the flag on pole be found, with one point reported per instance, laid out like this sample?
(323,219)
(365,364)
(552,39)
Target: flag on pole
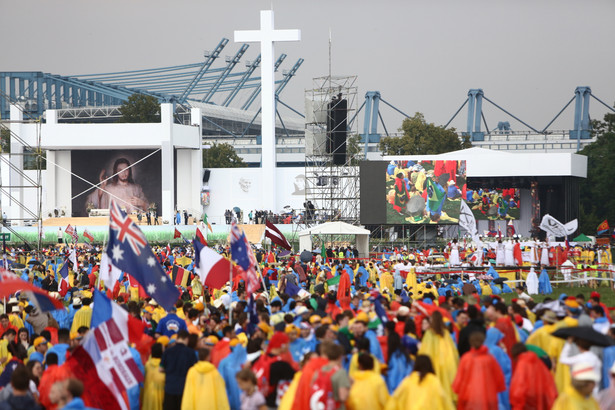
(206,222)
(63,282)
(108,273)
(11,284)
(72,232)
(510,229)
(603,227)
(72,256)
(177,234)
(88,235)
(276,236)
(241,252)
(130,252)
(213,268)
(180,276)
(201,233)
(107,355)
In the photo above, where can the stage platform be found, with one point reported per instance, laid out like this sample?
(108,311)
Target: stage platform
(98,227)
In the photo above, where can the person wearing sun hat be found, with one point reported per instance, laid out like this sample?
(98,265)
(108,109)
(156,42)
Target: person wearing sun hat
(578,395)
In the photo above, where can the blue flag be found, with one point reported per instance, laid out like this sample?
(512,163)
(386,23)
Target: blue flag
(239,248)
(292,289)
(103,309)
(64,270)
(129,251)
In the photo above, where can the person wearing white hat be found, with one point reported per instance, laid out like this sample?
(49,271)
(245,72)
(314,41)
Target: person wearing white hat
(579,394)
(585,355)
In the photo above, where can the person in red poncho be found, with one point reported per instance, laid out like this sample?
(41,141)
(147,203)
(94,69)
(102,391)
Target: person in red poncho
(532,385)
(401,193)
(479,377)
(275,369)
(517,253)
(498,315)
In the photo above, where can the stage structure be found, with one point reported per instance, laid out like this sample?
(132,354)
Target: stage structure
(146,167)
(331,150)
(505,191)
(21,184)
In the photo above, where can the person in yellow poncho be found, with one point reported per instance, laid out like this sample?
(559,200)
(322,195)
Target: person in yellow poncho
(152,395)
(420,390)
(369,391)
(439,346)
(578,395)
(386,281)
(83,317)
(204,388)
(355,367)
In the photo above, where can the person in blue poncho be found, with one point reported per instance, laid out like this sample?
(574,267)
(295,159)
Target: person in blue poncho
(494,336)
(228,368)
(544,283)
(399,364)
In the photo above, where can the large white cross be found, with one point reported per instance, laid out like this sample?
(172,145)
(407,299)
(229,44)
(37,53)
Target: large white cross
(267,35)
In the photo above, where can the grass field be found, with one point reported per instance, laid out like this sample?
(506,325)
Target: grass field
(606,293)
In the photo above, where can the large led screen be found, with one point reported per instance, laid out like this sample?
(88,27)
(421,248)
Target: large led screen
(424,192)
(131,177)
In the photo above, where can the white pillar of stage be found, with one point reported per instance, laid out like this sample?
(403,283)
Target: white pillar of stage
(167,207)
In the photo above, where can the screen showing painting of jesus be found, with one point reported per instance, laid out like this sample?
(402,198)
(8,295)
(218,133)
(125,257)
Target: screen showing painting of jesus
(124,176)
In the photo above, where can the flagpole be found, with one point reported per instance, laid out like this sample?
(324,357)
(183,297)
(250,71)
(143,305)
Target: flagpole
(230,275)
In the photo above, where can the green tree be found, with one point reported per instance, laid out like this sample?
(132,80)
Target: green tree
(597,193)
(422,138)
(5,139)
(222,156)
(140,108)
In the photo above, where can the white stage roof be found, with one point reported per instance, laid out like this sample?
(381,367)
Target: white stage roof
(490,163)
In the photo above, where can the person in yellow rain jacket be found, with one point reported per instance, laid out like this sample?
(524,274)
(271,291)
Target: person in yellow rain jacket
(578,395)
(83,317)
(369,391)
(420,390)
(386,281)
(204,381)
(152,395)
(438,344)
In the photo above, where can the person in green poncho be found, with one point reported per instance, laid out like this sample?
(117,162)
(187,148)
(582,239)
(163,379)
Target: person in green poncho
(435,198)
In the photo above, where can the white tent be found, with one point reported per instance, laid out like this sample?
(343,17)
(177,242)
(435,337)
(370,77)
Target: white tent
(337,228)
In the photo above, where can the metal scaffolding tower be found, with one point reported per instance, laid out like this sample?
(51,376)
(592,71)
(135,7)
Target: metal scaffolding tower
(25,162)
(331,184)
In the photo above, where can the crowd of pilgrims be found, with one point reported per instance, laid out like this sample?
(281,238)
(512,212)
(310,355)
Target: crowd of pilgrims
(355,336)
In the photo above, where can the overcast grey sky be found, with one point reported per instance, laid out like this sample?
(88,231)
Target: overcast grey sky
(527,55)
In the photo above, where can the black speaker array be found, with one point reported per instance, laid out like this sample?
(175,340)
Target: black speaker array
(337,132)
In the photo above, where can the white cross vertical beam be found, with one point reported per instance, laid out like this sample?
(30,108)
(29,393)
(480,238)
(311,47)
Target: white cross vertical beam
(267,35)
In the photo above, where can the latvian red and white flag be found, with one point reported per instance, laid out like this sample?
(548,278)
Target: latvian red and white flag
(72,232)
(276,236)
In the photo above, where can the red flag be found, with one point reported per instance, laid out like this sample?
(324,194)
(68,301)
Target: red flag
(177,234)
(201,233)
(88,235)
(72,232)
(603,227)
(276,236)
(97,395)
